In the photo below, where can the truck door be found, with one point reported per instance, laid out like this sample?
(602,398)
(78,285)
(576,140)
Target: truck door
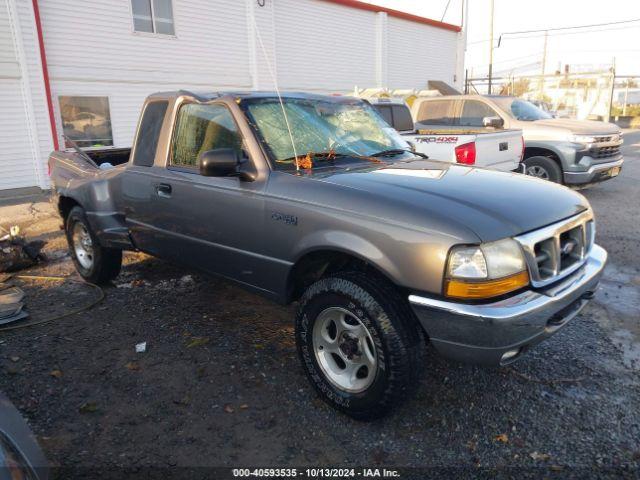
(211,223)
(139,179)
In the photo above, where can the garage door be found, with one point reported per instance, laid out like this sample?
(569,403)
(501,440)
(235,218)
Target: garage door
(17,167)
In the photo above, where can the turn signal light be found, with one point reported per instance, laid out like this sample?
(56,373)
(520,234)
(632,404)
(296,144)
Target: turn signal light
(466,153)
(486,288)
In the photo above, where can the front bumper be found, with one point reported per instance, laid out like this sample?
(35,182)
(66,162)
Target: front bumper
(498,333)
(595,173)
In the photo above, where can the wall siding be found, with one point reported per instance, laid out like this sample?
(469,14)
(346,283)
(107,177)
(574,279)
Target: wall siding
(209,48)
(20,155)
(9,66)
(324,47)
(16,159)
(42,140)
(418,53)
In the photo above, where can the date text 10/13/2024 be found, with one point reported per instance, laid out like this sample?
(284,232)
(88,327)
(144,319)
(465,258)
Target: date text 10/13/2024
(315,473)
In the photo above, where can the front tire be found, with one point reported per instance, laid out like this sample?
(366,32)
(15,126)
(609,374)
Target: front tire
(94,263)
(544,168)
(359,343)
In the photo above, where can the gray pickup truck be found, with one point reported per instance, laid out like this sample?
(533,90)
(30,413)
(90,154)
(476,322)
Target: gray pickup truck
(576,153)
(314,199)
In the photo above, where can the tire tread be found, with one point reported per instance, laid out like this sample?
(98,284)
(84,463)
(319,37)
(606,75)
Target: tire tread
(402,332)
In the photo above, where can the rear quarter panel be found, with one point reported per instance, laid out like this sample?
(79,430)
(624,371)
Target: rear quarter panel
(97,191)
(501,150)
(439,145)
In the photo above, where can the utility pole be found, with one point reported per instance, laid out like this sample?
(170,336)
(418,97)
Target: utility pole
(626,96)
(491,48)
(613,85)
(544,65)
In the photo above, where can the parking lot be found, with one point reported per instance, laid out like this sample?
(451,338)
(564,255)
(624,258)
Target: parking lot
(220,382)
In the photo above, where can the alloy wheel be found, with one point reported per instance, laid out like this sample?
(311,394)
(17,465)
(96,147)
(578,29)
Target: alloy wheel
(344,350)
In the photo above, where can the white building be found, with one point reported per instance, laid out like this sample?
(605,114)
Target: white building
(83,67)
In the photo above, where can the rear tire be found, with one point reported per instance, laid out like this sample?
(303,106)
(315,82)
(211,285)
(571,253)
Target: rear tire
(544,168)
(359,343)
(94,263)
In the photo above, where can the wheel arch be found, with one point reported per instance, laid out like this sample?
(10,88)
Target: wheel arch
(65,205)
(545,151)
(317,262)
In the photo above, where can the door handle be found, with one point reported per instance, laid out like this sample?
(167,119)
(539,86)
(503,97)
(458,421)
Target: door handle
(163,190)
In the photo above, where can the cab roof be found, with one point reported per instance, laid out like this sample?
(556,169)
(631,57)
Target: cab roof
(209,96)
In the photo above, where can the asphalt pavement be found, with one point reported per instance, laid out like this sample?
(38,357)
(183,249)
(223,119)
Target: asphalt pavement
(220,385)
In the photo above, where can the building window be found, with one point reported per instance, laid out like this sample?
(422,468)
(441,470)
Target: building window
(86,121)
(153,16)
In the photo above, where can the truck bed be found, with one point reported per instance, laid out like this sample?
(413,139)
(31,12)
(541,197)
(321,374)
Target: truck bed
(114,156)
(497,149)
(70,166)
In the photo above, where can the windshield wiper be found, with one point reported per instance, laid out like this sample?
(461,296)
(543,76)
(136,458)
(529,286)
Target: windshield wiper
(320,156)
(307,160)
(397,151)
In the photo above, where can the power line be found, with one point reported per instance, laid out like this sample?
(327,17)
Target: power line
(445,10)
(508,60)
(541,34)
(545,31)
(574,27)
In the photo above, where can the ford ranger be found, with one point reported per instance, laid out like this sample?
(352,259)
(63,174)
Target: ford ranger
(315,200)
(576,153)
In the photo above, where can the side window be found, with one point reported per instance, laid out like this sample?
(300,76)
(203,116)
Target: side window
(148,133)
(402,120)
(473,112)
(437,112)
(153,16)
(385,112)
(201,128)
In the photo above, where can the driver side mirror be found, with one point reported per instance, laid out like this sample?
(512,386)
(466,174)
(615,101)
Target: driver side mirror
(225,162)
(493,122)
(220,162)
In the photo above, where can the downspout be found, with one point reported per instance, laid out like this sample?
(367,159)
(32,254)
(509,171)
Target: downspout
(45,75)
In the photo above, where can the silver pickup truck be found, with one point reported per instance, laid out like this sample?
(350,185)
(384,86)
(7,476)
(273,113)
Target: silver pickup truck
(314,199)
(576,153)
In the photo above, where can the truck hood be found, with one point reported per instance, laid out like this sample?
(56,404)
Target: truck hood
(491,204)
(579,127)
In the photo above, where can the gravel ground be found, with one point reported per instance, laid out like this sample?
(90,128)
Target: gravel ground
(220,383)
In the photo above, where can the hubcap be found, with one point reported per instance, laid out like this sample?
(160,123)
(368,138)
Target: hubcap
(82,245)
(537,171)
(344,350)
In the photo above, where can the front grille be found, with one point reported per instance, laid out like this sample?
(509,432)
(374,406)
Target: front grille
(555,251)
(604,152)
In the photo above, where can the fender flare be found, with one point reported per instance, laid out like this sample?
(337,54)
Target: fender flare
(349,244)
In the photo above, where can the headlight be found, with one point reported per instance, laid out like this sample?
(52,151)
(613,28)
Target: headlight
(486,271)
(582,138)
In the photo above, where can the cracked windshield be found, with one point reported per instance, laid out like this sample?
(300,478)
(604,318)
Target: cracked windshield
(340,132)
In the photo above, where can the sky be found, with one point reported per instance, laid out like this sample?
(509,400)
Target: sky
(597,47)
